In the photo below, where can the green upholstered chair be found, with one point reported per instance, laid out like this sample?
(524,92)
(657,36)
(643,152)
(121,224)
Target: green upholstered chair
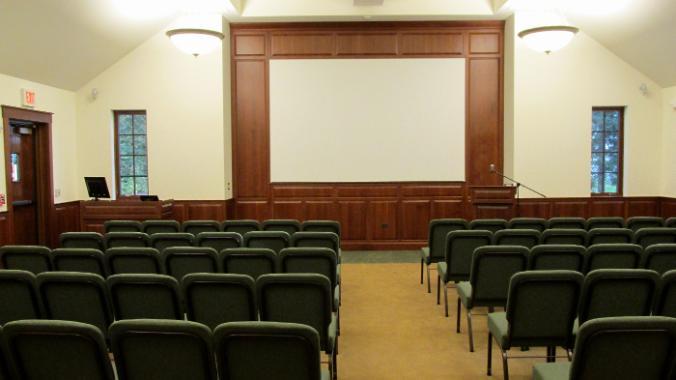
(541,310)
(163,240)
(645,237)
(660,257)
(317,239)
(524,238)
(126,239)
(614,256)
(564,236)
(133,260)
(253,262)
(274,240)
(488,285)
(620,348)
(457,263)
(152,227)
(78,297)
(56,350)
(85,260)
(33,258)
(538,224)
(218,240)
(666,296)
(4,368)
(436,244)
(240,226)
(635,223)
(321,226)
(290,226)
(670,223)
(609,235)
(318,260)
(151,296)
(197,226)
(567,223)
(268,350)
(18,296)
(215,298)
(162,350)
(605,222)
(92,240)
(179,261)
(301,298)
(122,226)
(557,257)
(492,225)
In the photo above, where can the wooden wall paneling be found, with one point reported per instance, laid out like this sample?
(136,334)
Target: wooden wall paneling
(576,208)
(426,43)
(353,219)
(433,190)
(485,43)
(322,210)
(365,44)
(206,210)
(382,223)
(288,210)
(180,212)
(4,233)
(302,44)
(415,217)
(642,207)
(249,45)
(302,191)
(534,208)
(367,190)
(448,208)
(252,209)
(606,207)
(67,217)
(667,207)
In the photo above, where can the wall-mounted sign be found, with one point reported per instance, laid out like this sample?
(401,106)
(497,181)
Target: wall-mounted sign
(27,97)
(3,200)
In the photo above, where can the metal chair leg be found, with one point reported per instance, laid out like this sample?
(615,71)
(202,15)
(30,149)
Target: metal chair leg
(335,365)
(429,286)
(489,370)
(457,318)
(422,263)
(446,299)
(438,289)
(469,330)
(505,368)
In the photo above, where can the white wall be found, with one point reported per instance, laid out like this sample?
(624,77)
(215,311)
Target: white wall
(183,96)
(227,112)
(553,98)
(669,142)
(62,104)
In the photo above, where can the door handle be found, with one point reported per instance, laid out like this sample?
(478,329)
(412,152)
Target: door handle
(27,202)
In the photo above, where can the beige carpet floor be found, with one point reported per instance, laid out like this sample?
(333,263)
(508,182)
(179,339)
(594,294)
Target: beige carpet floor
(393,329)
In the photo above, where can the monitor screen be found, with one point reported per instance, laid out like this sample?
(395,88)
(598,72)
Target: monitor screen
(97,187)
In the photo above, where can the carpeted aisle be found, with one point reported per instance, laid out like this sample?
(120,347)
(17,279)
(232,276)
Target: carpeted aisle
(393,329)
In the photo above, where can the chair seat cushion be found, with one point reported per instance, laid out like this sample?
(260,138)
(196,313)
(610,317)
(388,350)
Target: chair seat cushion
(551,371)
(498,327)
(465,293)
(325,374)
(441,270)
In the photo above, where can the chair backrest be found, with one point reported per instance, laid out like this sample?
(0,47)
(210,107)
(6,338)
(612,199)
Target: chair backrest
(152,227)
(617,293)
(538,224)
(564,236)
(616,341)
(162,349)
(648,236)
(567,223)
(218,240)
(492,225)
(291,351)
(215,298)
(316,239)
(438,229)
(4,368)
(666,297)
(249,261)
(145,296)
(275,240)
(321,226)
(542,307)
(18,296)
(609,235)
(309,260)
(92,240)
(179,261)
(33,258)
(605,222)
(660,257)
(297,298)
(197,226)
(671,222)
(58,350)
(635,223)
(161,240)
(122,226)
(133,260)
(241,226)
(290,226)
(460,246)
(524,238)
(78,297)
(492,268)
(557,257)
(613,256)
(126,239)
(85,260)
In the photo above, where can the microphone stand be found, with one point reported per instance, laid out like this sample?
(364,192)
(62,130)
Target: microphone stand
(518,185)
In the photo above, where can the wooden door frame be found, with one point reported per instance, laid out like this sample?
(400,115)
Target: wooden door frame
(44,168)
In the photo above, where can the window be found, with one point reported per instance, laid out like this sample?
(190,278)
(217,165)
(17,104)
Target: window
(607,136)
(131,153)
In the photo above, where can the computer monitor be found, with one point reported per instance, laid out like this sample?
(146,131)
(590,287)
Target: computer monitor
(97,187)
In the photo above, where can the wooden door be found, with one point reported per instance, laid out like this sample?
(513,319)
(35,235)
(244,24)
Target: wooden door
(23,183)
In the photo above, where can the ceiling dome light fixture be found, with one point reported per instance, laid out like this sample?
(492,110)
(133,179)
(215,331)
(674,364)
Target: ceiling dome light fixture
(547,39)
(197,34)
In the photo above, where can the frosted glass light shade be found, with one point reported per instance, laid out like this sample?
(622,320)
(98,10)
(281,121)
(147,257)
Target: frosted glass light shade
(547,39)
(197,34)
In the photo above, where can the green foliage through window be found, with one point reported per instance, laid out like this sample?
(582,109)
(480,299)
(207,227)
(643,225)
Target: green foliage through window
(606,162)
(132,152)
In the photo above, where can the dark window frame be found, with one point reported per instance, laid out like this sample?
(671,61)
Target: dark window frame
(116,116)
(620,152)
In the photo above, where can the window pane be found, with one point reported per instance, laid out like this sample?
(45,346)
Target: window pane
(124,124)
(612,121)
(126,186)
(612,142)
(597,142)
(140,145)
(140,124)
(597,121)
(125,146)
(596,183)
(597,162)
(141,185)
(610,183)
(612,162)
(126,166)
(141,166)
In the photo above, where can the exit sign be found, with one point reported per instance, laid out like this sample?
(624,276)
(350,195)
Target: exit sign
(27,98)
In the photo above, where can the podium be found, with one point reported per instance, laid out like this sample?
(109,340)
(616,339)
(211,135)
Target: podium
(94,213)
(492,202)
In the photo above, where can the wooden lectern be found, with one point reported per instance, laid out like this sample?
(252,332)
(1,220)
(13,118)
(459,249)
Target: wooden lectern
(94,213)
(492,202)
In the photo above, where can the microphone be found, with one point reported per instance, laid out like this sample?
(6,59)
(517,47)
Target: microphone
(491,168)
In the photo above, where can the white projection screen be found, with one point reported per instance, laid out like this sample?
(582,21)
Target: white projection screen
(367,120)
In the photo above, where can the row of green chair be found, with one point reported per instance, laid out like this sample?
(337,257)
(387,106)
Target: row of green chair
(241,226)
(160,350)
